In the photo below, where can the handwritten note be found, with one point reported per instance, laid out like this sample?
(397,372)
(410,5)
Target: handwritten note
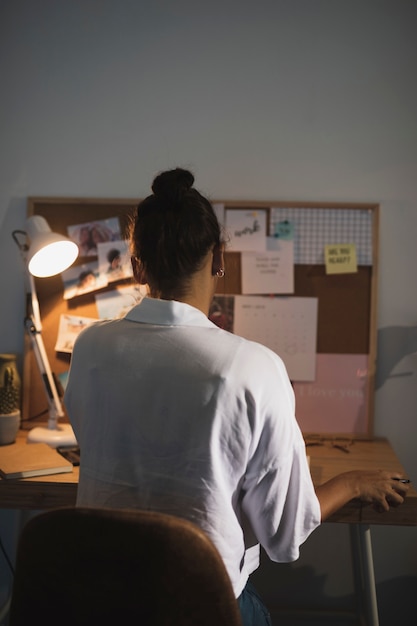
(288,326)
(269,272)
(340,258)
(246,229)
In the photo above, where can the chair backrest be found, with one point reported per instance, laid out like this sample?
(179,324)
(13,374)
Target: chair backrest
(81,566)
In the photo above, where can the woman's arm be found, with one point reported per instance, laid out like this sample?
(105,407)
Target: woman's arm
(376,487)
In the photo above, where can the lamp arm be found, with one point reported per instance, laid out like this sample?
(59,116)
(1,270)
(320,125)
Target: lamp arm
(34,329)
(34,303)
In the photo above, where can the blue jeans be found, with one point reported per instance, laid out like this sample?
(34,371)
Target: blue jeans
(252,609)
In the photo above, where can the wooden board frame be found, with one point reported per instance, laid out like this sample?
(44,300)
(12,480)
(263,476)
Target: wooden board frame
(347,310)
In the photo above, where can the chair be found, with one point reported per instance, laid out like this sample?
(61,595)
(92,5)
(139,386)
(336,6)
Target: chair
(81,566)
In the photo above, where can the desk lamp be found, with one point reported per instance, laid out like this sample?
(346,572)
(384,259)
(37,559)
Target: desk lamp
(45,254)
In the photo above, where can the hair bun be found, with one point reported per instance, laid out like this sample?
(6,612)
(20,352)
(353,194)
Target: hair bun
(172,184)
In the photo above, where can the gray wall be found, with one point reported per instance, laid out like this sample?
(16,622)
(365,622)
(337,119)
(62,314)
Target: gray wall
(275,99)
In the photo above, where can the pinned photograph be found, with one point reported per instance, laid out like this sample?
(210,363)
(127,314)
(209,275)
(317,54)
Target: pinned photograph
(82,279)
(221,312)
(88,235)
(117,302)
(114,260)
(70,327)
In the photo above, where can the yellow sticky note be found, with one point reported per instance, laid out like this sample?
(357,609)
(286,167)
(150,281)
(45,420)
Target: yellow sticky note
(340,258)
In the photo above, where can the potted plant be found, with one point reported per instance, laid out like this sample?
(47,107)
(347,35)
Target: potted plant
(9,399)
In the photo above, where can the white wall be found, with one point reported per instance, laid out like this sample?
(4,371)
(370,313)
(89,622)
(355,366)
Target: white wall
(273,99)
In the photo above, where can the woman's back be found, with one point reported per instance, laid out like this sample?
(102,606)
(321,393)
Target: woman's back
(176,415)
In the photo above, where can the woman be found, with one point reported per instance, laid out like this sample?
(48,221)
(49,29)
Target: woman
(177,415)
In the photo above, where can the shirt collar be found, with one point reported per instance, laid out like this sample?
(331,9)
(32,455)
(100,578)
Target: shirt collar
(167,313)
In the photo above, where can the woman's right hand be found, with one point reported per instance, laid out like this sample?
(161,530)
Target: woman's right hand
(380,488)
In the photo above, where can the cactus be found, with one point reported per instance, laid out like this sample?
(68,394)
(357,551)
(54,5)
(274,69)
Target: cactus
(9,393)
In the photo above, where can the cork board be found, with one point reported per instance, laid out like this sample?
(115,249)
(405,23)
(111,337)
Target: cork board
(340,402)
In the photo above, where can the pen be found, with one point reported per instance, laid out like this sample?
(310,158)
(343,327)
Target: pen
(402,480)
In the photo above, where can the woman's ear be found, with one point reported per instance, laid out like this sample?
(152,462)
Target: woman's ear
(138,271)
(218,259)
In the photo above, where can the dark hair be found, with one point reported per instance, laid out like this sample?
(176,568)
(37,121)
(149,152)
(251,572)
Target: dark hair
(173,231)
(85,274)
(112,255)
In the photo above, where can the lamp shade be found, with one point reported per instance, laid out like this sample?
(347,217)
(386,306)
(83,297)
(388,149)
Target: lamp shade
(49,253)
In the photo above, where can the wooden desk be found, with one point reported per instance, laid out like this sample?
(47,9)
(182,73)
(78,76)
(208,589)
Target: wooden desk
(39,492)
(46,492)
(326,461)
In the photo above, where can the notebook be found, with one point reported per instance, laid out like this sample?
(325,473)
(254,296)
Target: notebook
(32,459)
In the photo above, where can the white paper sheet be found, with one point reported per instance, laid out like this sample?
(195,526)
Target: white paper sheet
(269,272)
(288,326)
(246,229)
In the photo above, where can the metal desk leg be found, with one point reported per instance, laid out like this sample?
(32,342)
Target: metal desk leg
(363,571)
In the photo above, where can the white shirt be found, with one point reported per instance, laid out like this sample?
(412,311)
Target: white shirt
(176,415)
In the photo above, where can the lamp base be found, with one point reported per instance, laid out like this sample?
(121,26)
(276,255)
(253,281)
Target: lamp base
(62,435)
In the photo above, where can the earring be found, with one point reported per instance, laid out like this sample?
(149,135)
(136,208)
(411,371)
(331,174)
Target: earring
(220,273)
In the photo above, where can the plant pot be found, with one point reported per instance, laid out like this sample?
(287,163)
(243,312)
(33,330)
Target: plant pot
(9,427)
